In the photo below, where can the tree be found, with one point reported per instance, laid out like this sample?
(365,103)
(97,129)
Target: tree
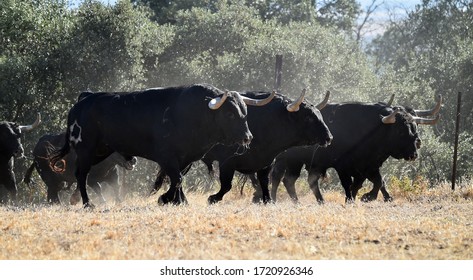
(334,13)
(431,50)
(235,49)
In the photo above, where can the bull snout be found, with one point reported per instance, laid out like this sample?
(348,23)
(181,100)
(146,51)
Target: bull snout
(247,139)
(412,157)
(328,140)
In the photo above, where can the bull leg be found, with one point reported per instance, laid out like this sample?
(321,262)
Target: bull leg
(174,195)
(378,182)
(386,196)
(289,181)
(226,176)
(82,171)
(357,185)
(10,185)
(258,194)
(53,191)
(158,183)
(313,178)
(263,178)
(346,181)
(277,174)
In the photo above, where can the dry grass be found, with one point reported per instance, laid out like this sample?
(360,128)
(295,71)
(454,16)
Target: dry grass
(436,224)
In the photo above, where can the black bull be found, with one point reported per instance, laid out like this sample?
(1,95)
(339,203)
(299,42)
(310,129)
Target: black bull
(362,143)
(10,147)
(104,172)
(277,126)
(171,126)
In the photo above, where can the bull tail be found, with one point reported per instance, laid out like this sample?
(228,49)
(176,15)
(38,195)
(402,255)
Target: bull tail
(56,155)
(29,172)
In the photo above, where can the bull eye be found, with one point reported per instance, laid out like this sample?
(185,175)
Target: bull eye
(231,115)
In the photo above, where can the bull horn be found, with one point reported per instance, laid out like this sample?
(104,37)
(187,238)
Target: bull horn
(324,102)
(215,103)
(419,120)
(391,118)
(258,102)
(294,106)
(31,126)
(390,102)
(435,110)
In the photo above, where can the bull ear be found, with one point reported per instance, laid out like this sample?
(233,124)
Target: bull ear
(215,103)
(31,126)
(391,118)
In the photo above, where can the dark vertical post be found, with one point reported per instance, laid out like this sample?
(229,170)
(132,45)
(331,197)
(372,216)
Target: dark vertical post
(278,72)
(455,147)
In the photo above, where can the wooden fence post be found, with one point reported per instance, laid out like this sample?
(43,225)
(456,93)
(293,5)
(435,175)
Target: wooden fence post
(455,147)
(278,72)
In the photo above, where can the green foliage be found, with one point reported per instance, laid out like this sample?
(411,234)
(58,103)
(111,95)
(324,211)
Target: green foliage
(341,14)
(233,48)
(406,187)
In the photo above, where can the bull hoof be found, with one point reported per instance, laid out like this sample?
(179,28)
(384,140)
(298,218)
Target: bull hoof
(213,199)
(162,200)
(257,199)
(367,197)
(89,206)
(388,199)
(349,201)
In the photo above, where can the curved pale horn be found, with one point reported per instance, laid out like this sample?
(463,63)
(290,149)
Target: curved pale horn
(390,102)
(31,126)
(258,102)
(294,106)
(391,118)
(215,103)
(324,102)
(431,112)
(419,120)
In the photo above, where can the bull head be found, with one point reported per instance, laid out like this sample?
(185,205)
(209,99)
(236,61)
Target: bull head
(30,127)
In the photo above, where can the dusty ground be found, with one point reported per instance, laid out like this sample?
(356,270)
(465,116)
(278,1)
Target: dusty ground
(436,224)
